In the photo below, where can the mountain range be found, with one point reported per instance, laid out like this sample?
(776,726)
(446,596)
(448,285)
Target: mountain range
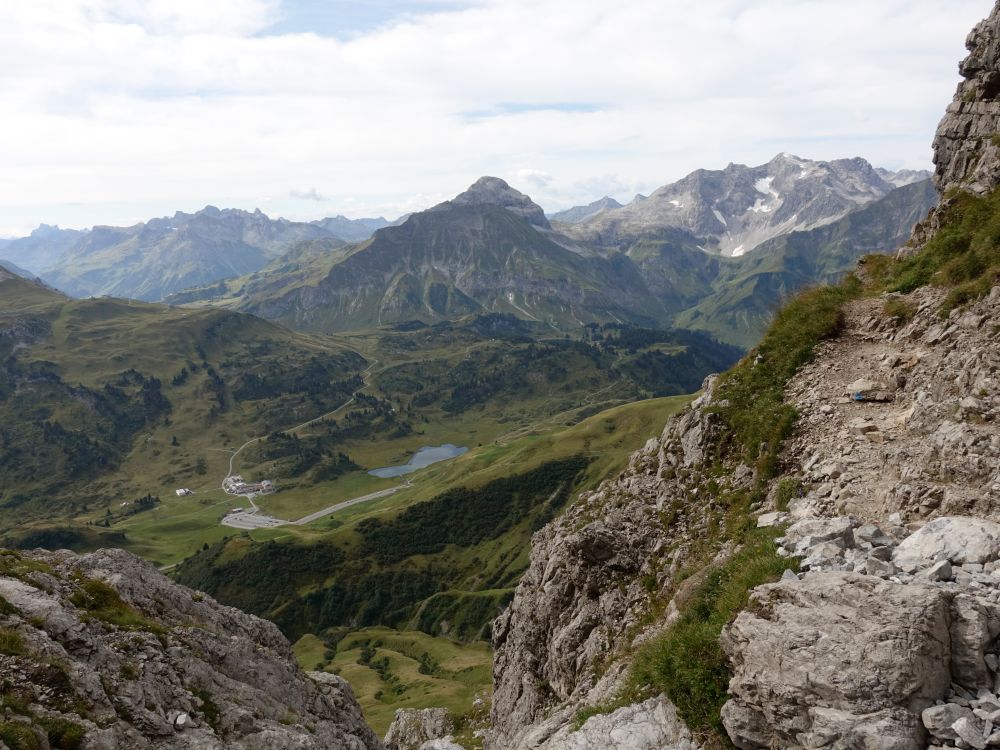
(492,249)
(152,259)
(733,210)
(716,250)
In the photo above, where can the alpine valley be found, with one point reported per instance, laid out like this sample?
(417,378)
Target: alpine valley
(471,478)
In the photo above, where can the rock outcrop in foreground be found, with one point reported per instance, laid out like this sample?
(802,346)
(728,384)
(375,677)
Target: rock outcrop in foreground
(101,651)
(888,637)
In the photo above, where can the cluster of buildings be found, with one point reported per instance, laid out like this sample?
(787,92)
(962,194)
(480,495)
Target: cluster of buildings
(237,485)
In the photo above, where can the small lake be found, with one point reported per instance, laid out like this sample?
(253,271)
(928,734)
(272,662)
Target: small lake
(426,456)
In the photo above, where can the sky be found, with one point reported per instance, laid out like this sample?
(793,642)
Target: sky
(115,111)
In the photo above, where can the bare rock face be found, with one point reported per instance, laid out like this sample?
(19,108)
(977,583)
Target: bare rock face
(107,649)
(837,655)
(587,589)
(411,729)
(857,652)
(966,154)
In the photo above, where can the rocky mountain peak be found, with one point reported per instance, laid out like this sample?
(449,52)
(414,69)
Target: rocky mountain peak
(45,230)
(732,211)
(492,191)
(966,150)
(582,213)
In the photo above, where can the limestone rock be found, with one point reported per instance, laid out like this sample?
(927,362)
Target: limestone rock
(141,663)
(939,719)
(839,656)
(412,728)
(958,540)
(651,725)
(965,154)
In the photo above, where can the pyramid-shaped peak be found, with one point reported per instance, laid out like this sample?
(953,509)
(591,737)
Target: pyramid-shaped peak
(492,191)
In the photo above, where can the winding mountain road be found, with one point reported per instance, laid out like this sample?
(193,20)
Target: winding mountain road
(255,519)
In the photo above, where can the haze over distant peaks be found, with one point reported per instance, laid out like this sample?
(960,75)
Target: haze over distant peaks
(352,230)
(582,213)
(153,259)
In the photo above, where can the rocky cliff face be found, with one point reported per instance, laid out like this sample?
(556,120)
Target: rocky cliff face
(103,652)
(967,143)
(587,593)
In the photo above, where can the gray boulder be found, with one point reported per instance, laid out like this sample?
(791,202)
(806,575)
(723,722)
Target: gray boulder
(651,725)
(411,728)
(842,659)
(957,539)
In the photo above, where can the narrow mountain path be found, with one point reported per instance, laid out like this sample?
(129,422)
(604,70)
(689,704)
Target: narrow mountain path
(930,445)
(366,379)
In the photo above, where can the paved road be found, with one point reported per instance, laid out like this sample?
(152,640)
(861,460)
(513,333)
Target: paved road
(254,519)
(348,503)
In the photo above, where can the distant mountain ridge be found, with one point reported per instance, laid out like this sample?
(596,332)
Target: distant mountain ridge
(713,251)
(491,249)
(582,213)
(731,211)
(41,249)
(153,259)
(352,230)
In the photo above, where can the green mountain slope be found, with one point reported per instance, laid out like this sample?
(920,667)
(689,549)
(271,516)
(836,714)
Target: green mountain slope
(450,262)
(748,290)
(103,401)
(152,259)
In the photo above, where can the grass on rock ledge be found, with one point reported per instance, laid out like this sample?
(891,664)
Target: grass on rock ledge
(687,662)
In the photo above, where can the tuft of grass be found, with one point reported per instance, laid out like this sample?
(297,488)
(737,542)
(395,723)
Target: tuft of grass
(209,709)
(687,662)
(6,608)
(899,309)
(103,603)
(62,733)
(11,642)
(964,253)
(19,736)
(788,489)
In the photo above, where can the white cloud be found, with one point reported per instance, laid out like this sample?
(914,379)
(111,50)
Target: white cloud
(145,106)
(307,195)
(534,178)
